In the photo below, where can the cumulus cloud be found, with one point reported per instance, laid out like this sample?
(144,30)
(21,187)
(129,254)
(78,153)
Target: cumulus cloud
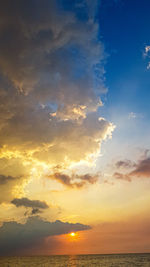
(51,82)
(56,62)
(14,236)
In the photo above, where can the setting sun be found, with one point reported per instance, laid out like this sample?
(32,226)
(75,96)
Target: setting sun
(72,234)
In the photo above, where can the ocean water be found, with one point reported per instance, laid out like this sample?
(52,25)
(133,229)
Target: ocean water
(117,260)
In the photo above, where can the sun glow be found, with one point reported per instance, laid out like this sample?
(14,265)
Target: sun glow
(72,234)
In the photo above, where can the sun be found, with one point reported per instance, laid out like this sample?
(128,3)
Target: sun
(72,234)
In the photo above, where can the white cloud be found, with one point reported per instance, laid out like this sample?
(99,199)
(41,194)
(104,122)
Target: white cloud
(147,55)
(133,115)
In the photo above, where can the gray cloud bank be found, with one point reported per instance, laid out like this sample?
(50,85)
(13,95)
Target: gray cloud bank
(14,237)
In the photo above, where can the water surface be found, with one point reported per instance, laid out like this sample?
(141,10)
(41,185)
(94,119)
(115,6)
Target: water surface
(117,260)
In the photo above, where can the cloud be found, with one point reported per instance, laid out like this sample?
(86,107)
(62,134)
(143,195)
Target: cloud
(35,211)
(51,83)
(125,164)
(14,236)
(52,38)
(147,49)
(7,185)
(121,176)
(147,55)
(14,175)
(141,169)
(25,202)
(133,115)
(36,205)
(10,186)
(74,180)
(148,66)
(51,74)
(5,179)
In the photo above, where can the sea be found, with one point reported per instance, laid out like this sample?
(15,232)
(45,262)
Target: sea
(115,260)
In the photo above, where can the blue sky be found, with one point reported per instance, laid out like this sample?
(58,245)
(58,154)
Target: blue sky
(125,32)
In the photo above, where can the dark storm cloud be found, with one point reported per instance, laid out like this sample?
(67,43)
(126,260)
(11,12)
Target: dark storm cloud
(14,236)
(74,180)
(25,202)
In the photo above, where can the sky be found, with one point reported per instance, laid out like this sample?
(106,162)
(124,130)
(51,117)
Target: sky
(74,127)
